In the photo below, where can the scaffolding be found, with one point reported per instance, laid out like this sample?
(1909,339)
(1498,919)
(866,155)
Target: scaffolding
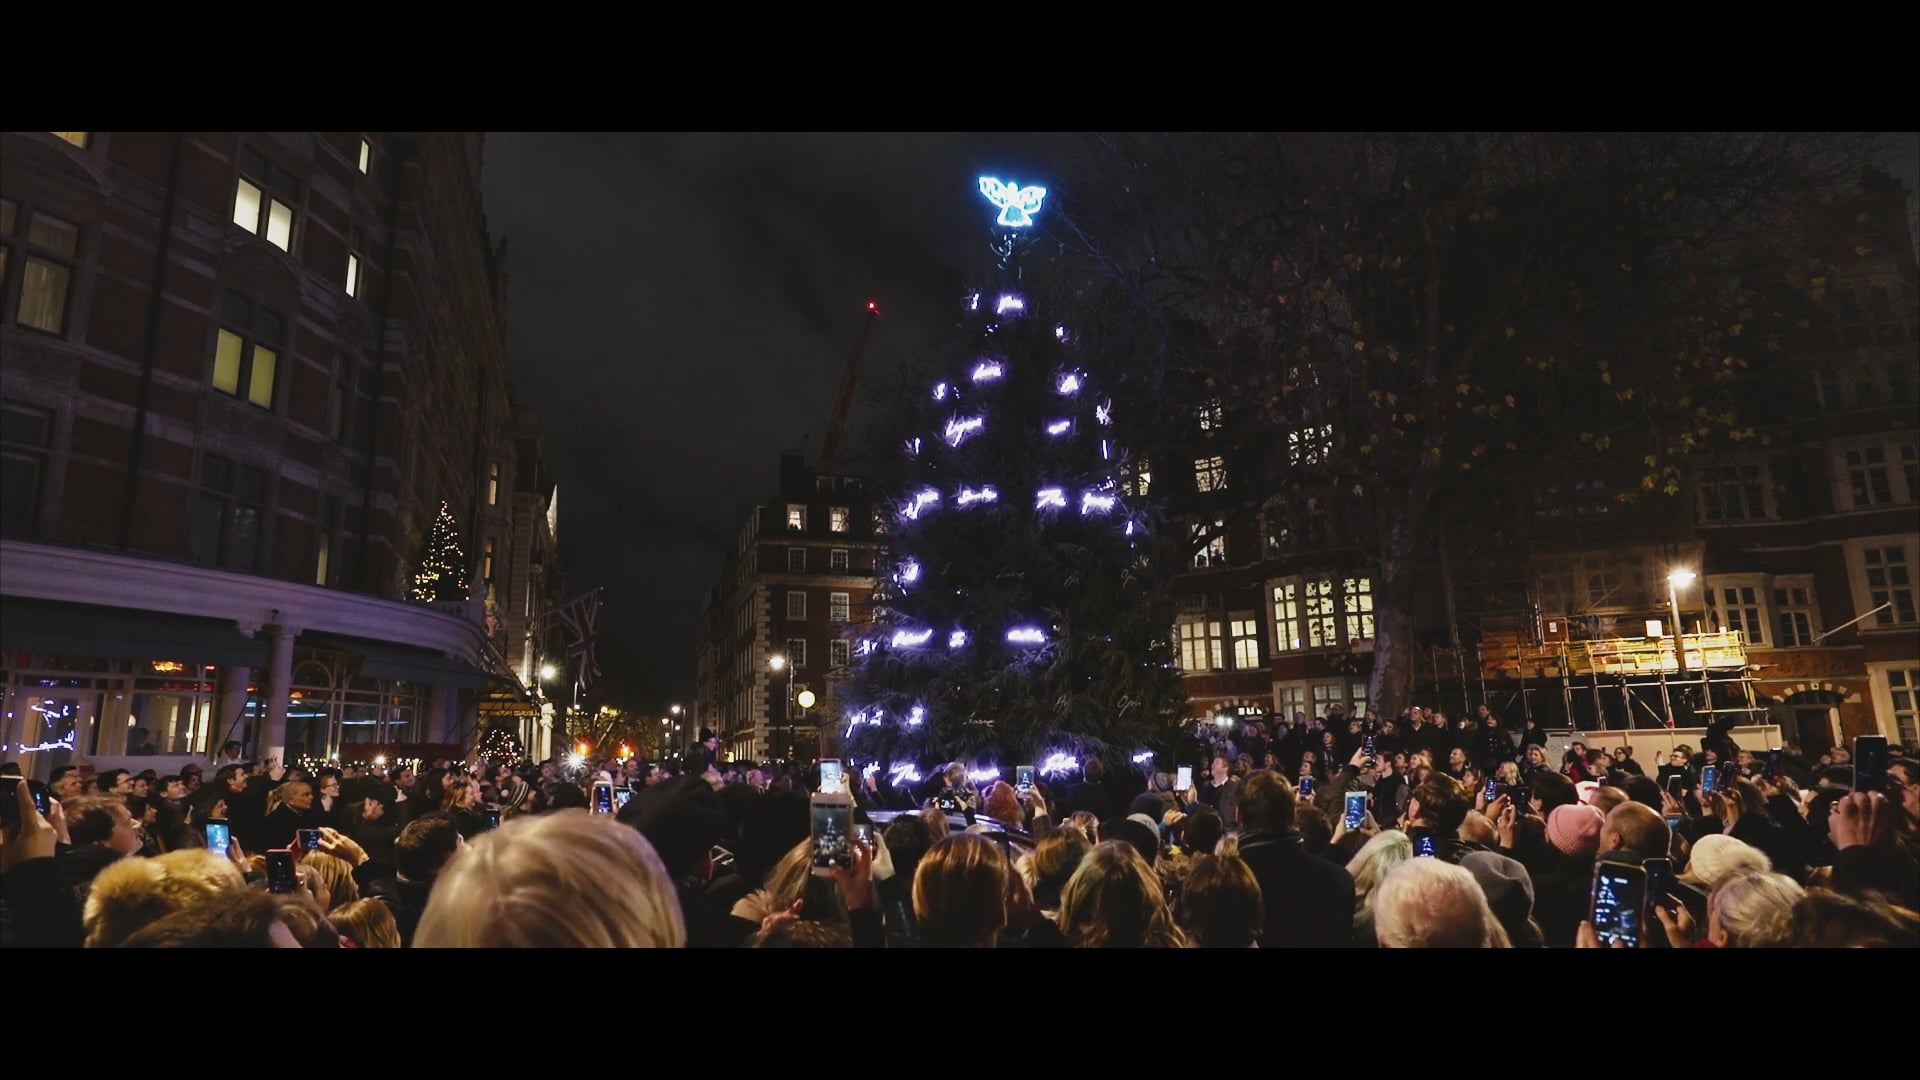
(1609,682)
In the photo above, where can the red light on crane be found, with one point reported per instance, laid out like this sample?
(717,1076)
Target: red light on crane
(873,306)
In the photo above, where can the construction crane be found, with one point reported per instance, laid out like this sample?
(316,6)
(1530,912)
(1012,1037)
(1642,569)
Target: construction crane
(830,446)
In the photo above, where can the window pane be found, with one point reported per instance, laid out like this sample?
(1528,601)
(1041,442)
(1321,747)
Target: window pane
(280,226)
(246,206)
(366,154)
(353,275)
(205,533)
(43,296)
(260,386)
(25,426)
(243,539)
(320,560)
(19,493)
(226,363)
(59,237)
(77,138)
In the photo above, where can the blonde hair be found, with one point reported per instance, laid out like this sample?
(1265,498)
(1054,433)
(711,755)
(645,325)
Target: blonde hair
(367,923)
(457,786)
(338,875)
(960,891)
(277,798)
(1755,908)
(1115,901)
(564,880)
(1374,861)
(133,892)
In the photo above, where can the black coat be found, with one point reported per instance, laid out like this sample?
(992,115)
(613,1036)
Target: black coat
(1308,900)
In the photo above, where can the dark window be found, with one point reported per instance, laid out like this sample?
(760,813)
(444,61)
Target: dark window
(228,513)
(25,435)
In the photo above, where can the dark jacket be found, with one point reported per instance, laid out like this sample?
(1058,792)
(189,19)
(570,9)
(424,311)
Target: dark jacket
(1309,901)
(82,864)
(38,909)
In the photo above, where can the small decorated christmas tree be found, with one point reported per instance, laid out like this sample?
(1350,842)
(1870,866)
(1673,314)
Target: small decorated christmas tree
(501,746)
(443,574)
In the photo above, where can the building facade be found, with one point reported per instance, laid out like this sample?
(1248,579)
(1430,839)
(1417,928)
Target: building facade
(242,373)
(1807,548)
(784,617)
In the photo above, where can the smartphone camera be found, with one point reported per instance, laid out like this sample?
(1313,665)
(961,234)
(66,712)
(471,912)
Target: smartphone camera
(492,814)
(1426,848)
(1023,780)
(1183,779)
(10,800)
(1493,789)
(1356,810)
(280,874)
(602,797)
(832,833)
(1870,763)
(1619,903)
(1306,787)
(1709,779)
(309,839)
(219,836)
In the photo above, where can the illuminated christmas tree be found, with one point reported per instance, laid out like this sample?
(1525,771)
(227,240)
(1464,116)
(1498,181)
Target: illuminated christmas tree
(1017,621)
(443,573)
(501,746)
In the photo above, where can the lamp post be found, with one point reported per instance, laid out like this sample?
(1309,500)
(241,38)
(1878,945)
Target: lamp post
(1677,580)
(805,700)
(664,724)
(779,664)
(675,710)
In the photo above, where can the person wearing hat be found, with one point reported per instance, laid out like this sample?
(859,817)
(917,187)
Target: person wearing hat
(1563,873)
(1509,890)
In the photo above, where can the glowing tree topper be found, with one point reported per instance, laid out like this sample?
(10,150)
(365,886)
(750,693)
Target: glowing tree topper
(1017,204)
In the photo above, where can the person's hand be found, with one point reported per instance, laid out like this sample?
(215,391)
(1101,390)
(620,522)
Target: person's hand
(783,918)
(1681,932)
(1504,825)
(1729,805)
(1670,806)
(1359,758)
(1586,938)
(276,772)
(35,838)
(341,846)
(57,817)
(1369,828)
(1035,803)
(856,884)
(1860,818)
(1498,806)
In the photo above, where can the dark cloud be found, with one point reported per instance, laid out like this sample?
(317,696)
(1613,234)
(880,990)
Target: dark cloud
(682,309)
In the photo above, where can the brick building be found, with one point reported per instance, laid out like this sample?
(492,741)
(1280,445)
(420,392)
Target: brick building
(242,372)
(798,582)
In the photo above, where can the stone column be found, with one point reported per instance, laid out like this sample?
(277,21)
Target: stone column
(229,721)
(273,737)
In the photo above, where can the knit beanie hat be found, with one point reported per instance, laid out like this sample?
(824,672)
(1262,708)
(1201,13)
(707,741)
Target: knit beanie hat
(1715,856)
(1575,830)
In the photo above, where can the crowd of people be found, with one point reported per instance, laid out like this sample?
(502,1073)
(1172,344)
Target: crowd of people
(1324,832)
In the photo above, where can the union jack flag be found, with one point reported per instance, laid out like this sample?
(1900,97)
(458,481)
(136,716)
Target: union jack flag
(579,617)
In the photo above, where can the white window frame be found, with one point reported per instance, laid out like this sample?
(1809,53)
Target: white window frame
(1895,454)
(796,517)
(839,519)
(1210,474)
(1759,609)
(1243,630)
(797,653)
(839,653)
(796,612)
(1200,638)
(1863,590)
(796,560)
(1212,415)
(1322,693)
(840,607)
(1710,490)
(1783,607)
(1309,445)
(1319,612)
(1137,480)
(1215,546)
(1886,709)
(1289,698)
(839,559)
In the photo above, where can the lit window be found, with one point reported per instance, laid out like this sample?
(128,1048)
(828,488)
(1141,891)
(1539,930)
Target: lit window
(1286,617)
(837,559)
(246,358)
(1138,480)
(797,517)
(840,653)
(1212,416)
(839,607)
(1213,551)
(366,155)
(1246,642)
(1903,690)
(322,554)
(796,604)
(353,274)
(1309,445)
(1890,585)
(77,138)
(493,483)
(46,280)
(1358,593)
(1321,614)
(1322,609)
(1202,648)
(1738,608)
(839,519)
(263,198)
(1210,474)
(486,561)
(797,559)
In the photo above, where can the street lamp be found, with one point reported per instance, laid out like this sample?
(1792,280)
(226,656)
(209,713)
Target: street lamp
(675,710)
(779,663)
(663,735)
(548,672)
(805,700)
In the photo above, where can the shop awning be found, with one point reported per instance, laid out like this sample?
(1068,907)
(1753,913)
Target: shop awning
(379,660)
(49,626)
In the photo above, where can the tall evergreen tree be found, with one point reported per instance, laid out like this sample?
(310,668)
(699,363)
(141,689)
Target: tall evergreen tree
(443,573)
(1018,616)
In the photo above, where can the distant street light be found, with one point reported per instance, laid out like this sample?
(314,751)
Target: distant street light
(806,699)
(1677,580)
(548,672)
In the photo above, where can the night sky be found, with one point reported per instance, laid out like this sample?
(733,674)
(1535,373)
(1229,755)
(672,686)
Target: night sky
(682,308)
